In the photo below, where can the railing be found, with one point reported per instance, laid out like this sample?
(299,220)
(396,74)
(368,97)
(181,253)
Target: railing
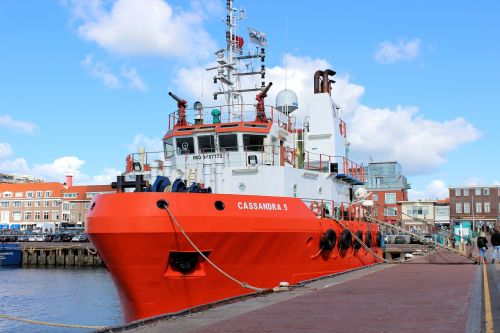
(222,114)
(323,163)
(338,210)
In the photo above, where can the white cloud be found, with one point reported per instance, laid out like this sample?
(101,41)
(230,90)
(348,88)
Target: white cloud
(436,189)
(134,80)
(402,134)
(152,146)
(17,126)
(101,71)
(5,150)
(146,27)
(388,52)
(108,175)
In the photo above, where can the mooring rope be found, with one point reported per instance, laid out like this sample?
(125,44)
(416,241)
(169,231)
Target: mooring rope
(46,323)
(241,283)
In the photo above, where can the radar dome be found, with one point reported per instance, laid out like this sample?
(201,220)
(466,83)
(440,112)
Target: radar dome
(287,101)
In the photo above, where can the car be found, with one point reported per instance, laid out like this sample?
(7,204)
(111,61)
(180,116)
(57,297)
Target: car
(40,238)
(80,238)
(22,238)
(399,240)
(67,237)
(31,238)
(428,238)
(49,238)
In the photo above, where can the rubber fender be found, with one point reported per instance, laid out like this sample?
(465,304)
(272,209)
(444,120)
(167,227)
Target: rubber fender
(357,245)
(345,240)
(160,184)
(179,186)
(368,239)
(328,240)
(379,239)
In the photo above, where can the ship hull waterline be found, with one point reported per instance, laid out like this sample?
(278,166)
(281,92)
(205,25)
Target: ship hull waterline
(256,239)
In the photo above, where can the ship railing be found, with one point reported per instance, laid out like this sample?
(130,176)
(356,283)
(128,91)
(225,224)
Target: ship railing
(338,210)
(139,162)
(226,114)
(343,167)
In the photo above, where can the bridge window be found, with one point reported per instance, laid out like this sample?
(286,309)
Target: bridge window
(206,144)
(184,146)
(228,142)
(169,148)
(253,142)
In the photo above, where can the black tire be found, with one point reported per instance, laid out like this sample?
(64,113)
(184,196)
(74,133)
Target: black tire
(379,239)
(345,240)
(357,245)
(328,240)
(369,239)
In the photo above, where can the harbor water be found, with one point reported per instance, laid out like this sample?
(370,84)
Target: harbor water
(83,296)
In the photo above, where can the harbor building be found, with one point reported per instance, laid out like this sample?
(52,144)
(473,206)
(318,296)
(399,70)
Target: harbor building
(425,215)
(477,204)
(9,178)
(387,186)
(26,205)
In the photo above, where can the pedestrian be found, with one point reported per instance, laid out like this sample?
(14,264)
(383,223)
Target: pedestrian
(495,242)
(481,244)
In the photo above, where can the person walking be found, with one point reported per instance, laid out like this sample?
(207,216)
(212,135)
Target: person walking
(495,242)
(481,244)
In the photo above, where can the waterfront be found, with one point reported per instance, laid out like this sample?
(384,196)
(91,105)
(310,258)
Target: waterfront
(70,295)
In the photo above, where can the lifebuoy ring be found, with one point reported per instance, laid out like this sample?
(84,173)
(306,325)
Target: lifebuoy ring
(357,245)
(315,208)
(345,240)
(290,156)
(328,240)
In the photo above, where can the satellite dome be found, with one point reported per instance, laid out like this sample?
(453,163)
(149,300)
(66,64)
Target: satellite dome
(287,101)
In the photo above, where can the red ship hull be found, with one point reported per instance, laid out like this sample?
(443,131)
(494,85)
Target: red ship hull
(260,240)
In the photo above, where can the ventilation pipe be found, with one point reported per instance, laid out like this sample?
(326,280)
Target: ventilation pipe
(318,88)
(327,87)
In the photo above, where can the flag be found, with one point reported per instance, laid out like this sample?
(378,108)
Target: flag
(257,37)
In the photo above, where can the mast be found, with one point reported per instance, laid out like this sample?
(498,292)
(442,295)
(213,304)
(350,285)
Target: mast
(229,68)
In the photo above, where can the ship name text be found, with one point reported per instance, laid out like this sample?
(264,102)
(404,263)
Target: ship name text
(262,206)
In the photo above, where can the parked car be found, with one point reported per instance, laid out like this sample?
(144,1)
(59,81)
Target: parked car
(40,238)
(67,237)
(22,238)
(399,240)
(49,238)
(80,238)
(427,238)
(31,238)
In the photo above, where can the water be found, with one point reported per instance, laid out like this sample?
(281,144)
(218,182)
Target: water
(70,296)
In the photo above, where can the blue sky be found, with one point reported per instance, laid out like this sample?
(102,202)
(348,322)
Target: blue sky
(83,83)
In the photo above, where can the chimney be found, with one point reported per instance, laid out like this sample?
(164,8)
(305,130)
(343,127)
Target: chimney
(69,180)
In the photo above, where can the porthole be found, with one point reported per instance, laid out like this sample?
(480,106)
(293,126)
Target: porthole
(219,205)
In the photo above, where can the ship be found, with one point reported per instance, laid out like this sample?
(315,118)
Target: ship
(242,199)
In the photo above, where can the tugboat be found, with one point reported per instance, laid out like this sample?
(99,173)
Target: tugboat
(10,254)
(242,199)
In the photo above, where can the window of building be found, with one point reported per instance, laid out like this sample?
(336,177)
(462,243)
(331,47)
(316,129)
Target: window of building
(466,208)
(169,148)
(65,206)
(375,196)
(70,195)
(28,203)
(477,191)
(458,192)
(37,215)
(46,203)
(45,215)
(390,198)
(253,142)
(29,194)
(206,144)
(458,207)
(90,195)
(55,203)
(48,194)
(486,191)
(19,194)
(65,217)
(73,205)
(184,146)
(55,215)
(38,203)
(479,207)
(7,194)
(27,216)
(87,205)
(466,192)
(17,215)
(486,207)
(17,204)
(228,142)
(390,211)
(5,204)
(39,194)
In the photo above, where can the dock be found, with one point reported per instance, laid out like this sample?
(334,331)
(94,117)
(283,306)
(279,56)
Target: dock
(45,254)
(438,292)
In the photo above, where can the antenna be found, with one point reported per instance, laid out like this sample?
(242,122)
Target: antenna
(286,52)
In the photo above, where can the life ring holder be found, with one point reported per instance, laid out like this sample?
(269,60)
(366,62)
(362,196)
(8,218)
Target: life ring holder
(315,207)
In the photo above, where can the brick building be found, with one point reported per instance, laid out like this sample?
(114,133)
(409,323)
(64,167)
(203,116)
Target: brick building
(388,187)
(23,205)
(478,204)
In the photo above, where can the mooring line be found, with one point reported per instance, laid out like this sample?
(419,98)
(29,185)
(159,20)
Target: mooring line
(46,323)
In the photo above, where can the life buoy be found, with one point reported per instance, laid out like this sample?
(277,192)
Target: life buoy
(357,245)
(345,240)
(315,208)
(368,239)
(328,240)
(290,156)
